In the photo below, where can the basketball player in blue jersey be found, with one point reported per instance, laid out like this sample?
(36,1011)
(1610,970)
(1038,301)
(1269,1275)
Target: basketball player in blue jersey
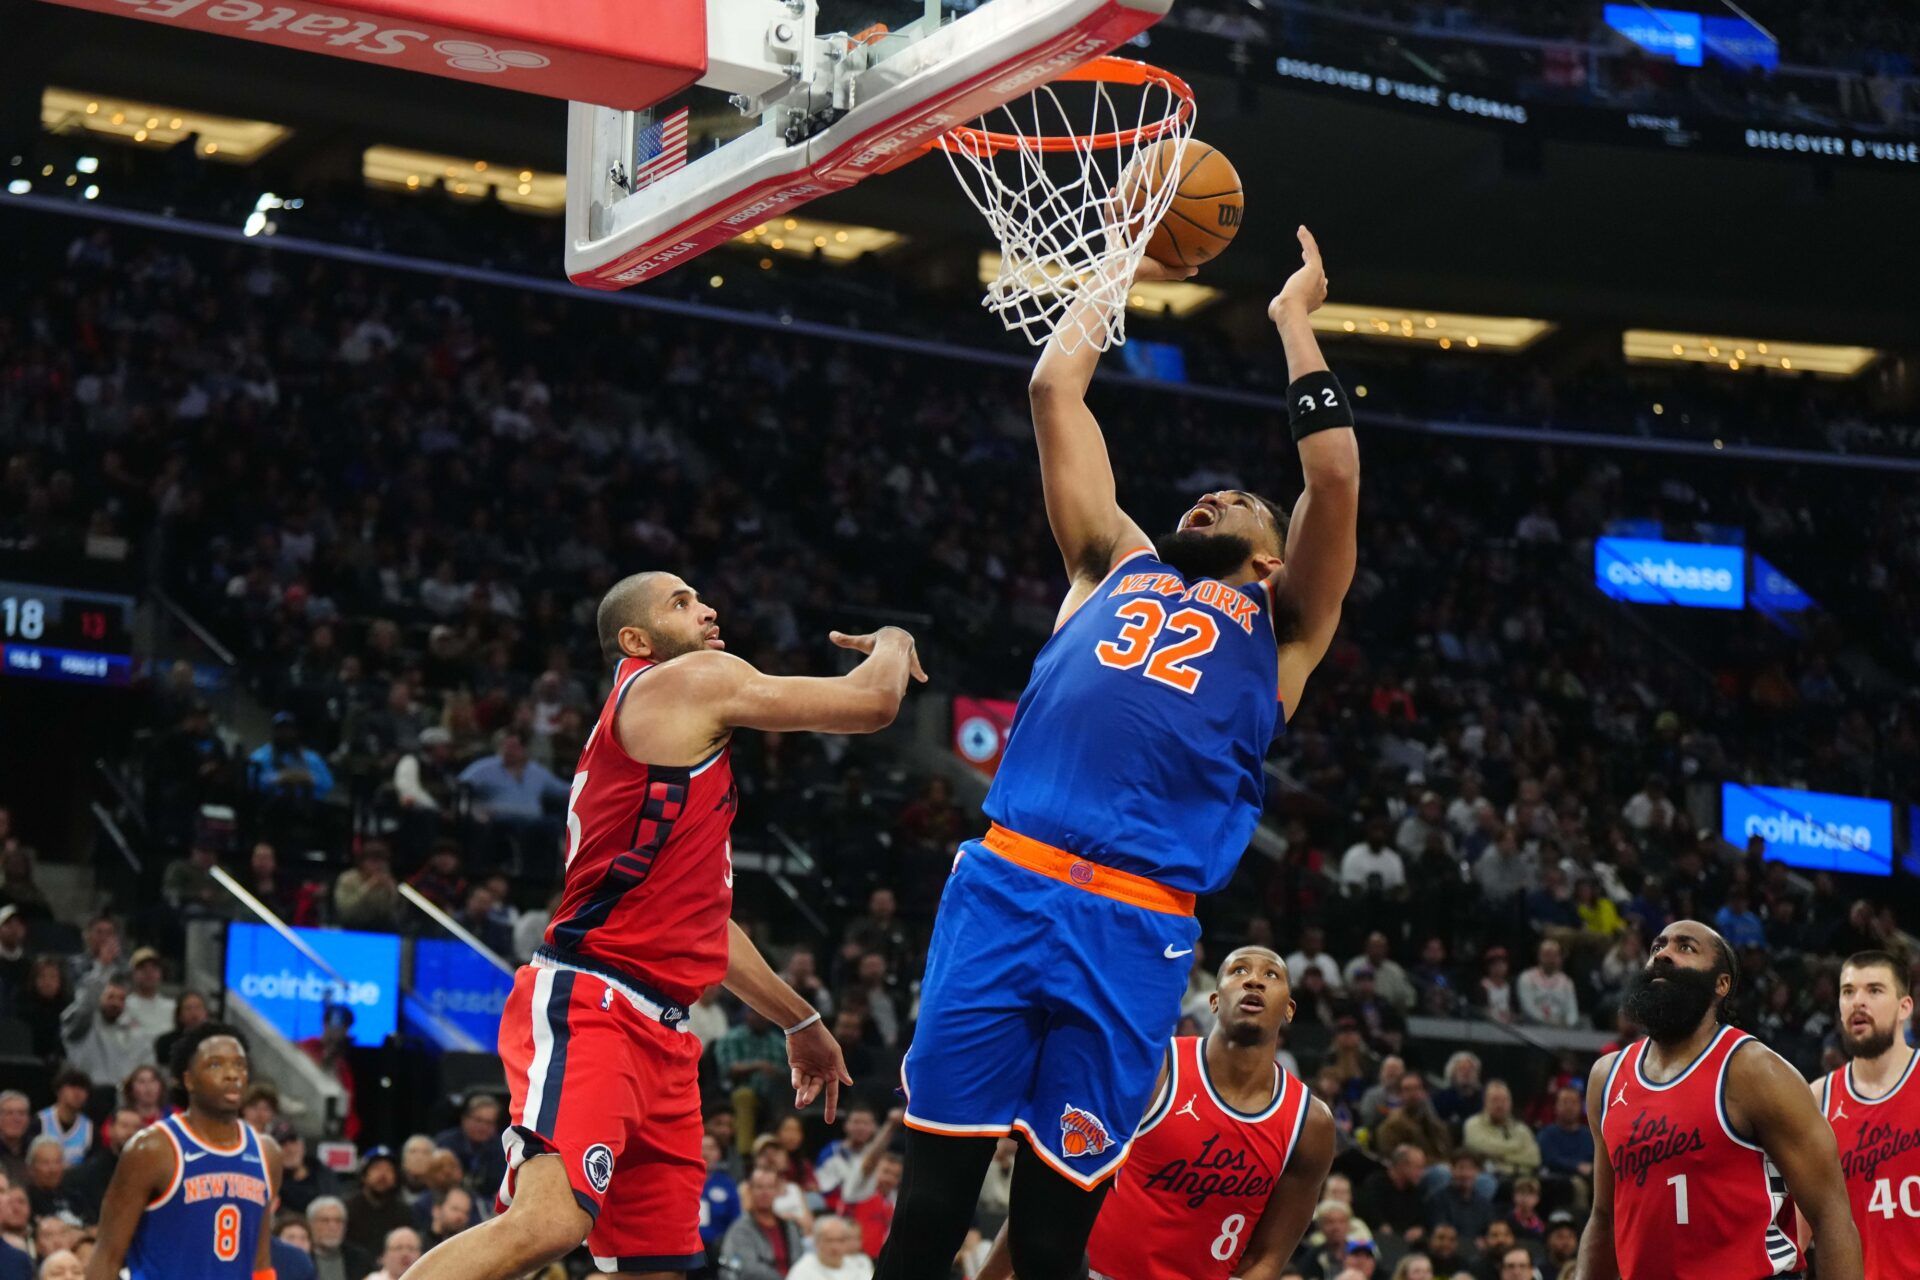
(1132,782)
(190,1197)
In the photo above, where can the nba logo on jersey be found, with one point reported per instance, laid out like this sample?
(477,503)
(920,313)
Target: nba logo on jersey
(1081,1134)
(598,1162)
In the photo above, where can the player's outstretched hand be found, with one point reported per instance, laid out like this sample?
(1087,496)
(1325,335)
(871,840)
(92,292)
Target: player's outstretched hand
(866,643)
(1154,269)
(1306,289)
(814,1055)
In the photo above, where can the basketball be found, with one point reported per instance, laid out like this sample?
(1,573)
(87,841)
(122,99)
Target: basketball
(1206,208)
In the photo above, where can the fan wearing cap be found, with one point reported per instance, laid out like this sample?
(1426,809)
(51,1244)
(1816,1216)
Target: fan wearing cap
(379,1205)
(286,768)
(149,1008)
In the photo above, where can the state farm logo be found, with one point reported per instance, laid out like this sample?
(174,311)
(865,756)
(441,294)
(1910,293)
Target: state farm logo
(471,55)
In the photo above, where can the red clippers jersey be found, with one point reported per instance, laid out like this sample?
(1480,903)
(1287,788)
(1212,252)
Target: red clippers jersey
(1692,1200)
(1197,1179)
(1880,1158)
(649,860)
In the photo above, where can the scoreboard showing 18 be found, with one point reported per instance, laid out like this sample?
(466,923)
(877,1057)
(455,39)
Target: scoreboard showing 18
(64,633)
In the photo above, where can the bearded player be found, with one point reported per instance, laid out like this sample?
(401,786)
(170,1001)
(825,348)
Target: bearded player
(1874,1109)
(1132,781)
(189,1197)
(1227,1167)
(601,1065)
(1705,1139)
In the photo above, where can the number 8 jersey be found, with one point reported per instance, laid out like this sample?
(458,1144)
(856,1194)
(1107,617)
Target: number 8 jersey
(207,1224)
(1879,1141)
(1692,1199)
(1140,741)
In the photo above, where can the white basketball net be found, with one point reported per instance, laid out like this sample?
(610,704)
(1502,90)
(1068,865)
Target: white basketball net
(1073,222)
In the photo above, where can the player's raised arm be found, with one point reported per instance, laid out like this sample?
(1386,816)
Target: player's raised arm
(1076,476)
(1322,537)
(1290,1207)
(1596,1260)
(144,1172)
(1771,1102)
(812,1053)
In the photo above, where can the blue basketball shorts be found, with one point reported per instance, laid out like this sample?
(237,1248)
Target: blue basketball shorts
(1045,1010)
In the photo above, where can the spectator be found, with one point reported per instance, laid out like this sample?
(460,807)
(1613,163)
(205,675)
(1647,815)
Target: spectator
(1459,1095)
(188,884)
(439,879)
(416,1154)
(101,956)
(1498,1138)
(290,1251)
(150,1009)
(1390,1198)
(1566,1145)
(480,917)
(46,1166)
(1335,1221)
(1563,1243)
(452,1213)
(1372,865)
(1313,955)
(366,896)
(1738,923)
(707,1018)
(844,1169)
(99,1037)
(803,976)
(260,1106)
(1524,1217)
(879,930)
(85,1184)
(791,1202)
(264,881)
(377,1208)
(1600,919)
(1425,821)
(144,1091)
(284,768)
(719,1196)
(46,998)
(66,1121)
(61,1264)
(1383,1096)
(1465,1201)
(760,1245)
(1506,872)
(1495,992)
(1649,809)
(792,1135)
(400,1250)
(1444,1250)
(1545,993)
(510,787)
(424,780)
(1389,979)
(1550,909)
(752,1058)
(334,1256)
(16,1134)
(874,1214)
(189,1011)
(16,1219)
(1516,1262)
(15,964)
(475,1141)
(836,1254)
(1380,1022)
(303,1180)
(1415,1123)
(873,981)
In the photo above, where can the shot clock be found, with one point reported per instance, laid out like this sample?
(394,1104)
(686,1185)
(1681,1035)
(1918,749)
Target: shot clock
(65,633)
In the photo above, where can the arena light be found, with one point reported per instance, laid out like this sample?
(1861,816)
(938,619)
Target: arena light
(405,170)
(1736,355)
(811,237)
(1148,297)
(1447,330)
(148,124)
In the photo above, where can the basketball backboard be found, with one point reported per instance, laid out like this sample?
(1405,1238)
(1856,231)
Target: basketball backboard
(800,98)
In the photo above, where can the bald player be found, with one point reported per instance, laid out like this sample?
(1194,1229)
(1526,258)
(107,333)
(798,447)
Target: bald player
(603,1072)
(1705,1139)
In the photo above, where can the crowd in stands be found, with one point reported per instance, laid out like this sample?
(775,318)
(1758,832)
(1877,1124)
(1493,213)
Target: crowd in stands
(399,498)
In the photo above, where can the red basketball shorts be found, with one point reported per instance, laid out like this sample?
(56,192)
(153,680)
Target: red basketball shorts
(616,1096)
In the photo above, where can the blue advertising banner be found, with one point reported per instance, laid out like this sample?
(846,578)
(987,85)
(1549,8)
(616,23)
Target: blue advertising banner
(1811,829)
(456,982)
(292,992)
(1775,591)
(1666,32)
(1695,575)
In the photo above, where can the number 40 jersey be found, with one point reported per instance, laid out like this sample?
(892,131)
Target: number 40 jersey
(1879,1142)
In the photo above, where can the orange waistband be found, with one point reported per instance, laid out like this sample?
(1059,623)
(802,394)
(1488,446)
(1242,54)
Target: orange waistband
(1058,864)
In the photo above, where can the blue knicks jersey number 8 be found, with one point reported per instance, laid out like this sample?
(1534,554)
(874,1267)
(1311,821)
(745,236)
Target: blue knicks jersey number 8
(1192,634)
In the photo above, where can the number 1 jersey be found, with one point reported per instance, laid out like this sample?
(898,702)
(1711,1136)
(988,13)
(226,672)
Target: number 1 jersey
(1140,741)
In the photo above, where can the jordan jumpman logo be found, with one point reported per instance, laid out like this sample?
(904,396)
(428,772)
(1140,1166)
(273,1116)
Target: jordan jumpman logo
(1188,1110)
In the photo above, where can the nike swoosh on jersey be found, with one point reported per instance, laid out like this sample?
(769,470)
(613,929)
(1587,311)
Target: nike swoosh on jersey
(1171,954)
(191,1156)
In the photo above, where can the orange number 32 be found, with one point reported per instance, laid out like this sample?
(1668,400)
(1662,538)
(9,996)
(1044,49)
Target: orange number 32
(1146,623)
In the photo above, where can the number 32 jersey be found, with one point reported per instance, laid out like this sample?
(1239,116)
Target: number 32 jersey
(1140,741)
(1692,1200)
(1879,1141)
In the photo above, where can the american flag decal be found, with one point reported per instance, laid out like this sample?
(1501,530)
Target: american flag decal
(660,149)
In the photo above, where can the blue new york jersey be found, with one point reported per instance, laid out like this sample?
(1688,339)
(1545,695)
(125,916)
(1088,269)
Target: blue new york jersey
(1140,739)
(207,1224)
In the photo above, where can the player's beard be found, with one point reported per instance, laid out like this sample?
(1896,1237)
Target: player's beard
(1875,1043)
(1673,1010)
(1194,554)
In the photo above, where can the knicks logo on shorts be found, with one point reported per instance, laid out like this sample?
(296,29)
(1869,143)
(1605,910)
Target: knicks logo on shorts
(598,1162)
(1081,1134)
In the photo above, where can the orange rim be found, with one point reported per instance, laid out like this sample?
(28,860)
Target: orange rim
(1108,69)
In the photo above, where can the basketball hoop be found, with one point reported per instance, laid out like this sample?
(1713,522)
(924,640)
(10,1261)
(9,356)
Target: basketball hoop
(1070,195)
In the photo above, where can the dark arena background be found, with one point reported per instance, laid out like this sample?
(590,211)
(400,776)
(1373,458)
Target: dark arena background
(314,466)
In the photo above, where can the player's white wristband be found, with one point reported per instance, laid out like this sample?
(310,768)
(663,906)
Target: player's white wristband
(803,1024)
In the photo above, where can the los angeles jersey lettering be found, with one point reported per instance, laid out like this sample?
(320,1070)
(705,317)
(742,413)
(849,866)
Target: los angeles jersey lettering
(207,1224)
(1199,1176)
(649,881)
(1692,1200)
(1140,739)
(1879,1142)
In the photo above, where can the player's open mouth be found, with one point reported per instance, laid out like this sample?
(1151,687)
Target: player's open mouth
(1252,1004)
(1862,1023)
(1201,517)
(713,640)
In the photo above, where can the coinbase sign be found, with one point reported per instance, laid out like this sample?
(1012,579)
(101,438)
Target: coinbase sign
(1698,575)
(1811,829)
(1666,32)
(453,980)
(293,993)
